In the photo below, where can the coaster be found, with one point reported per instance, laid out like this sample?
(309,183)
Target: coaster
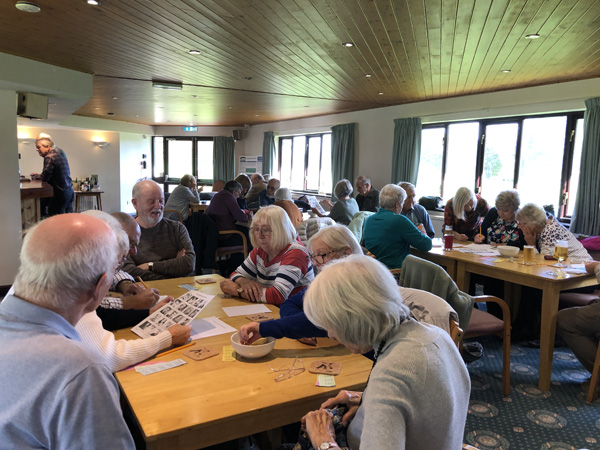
(198,354)
(205,280)
(260,317)
(325,367)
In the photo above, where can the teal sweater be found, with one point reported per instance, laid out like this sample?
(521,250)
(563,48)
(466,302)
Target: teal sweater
(389,236)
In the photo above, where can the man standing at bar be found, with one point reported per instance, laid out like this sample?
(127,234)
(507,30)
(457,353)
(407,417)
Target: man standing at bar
(54,391)
(56,173)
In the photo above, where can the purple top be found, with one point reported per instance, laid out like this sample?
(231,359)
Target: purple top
(225,211)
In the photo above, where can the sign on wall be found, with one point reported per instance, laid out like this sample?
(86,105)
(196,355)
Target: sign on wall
(251,164)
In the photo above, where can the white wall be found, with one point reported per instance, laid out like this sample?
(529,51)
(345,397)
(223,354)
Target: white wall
(10,222)
(133,147)
(375,127)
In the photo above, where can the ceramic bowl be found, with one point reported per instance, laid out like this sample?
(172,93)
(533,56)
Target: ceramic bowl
(508,251)
(252,351)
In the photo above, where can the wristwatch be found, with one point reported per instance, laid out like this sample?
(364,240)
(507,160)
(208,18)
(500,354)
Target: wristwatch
(151,266)
(328,445)
(239,291)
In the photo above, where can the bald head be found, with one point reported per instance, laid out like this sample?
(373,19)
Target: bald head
(63,261)
(149,203)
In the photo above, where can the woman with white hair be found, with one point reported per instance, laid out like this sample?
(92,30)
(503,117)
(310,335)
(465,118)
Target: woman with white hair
(465,212)
(277,267)
(388,234)
(283,199)
(329,244)
(500,223)
(181,197)
(543,232)
(345,208)
(418,390)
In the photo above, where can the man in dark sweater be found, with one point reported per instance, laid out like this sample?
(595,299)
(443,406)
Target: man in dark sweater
(165,249)
(367,198)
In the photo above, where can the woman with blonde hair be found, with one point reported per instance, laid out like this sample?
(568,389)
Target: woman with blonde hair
(277,267)
(465,212)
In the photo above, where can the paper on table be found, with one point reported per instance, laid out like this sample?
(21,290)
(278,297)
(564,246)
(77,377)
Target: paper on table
(209,326)
(246,310)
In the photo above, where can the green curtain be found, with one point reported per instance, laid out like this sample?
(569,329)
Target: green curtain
(586,215)
(406,152)
(342,153)
(268,153)
(224,158)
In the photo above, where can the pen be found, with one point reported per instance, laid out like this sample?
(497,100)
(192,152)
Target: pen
(142,281)
(175,349)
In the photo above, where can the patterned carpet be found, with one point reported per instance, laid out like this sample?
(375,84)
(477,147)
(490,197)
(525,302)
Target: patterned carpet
(529,419)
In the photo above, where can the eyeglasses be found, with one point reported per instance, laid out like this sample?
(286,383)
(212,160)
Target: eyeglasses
(285,373)
(263,231)
(320,259)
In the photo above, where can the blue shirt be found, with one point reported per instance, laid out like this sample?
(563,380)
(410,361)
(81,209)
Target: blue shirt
(54,391)
(417,215)
(263,200)
(56,170)
(389,236)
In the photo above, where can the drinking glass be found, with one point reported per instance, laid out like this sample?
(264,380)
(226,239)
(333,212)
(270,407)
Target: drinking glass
(528,255)
(561,252)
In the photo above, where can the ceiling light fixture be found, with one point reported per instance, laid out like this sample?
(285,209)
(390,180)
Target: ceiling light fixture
(380,93)
(348,44)
(368,75)
(505,71)
(29,7)
(532,36)
(171,85)
(93,2)
(194,52)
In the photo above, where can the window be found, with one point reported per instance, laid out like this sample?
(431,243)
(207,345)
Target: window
(305,162)
(173,157)
(493,155)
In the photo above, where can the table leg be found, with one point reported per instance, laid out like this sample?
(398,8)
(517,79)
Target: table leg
(463,278)
(512,297)
(550,297)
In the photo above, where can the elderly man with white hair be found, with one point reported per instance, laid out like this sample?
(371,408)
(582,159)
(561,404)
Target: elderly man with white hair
(55,392)
(415,212)
(283,199)
(57,174)
(388,234)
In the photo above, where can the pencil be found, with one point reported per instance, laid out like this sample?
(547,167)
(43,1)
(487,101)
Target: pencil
(479,233)
(175,349)
(142,281)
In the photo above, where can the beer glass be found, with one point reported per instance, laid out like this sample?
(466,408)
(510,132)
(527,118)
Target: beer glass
(561,252)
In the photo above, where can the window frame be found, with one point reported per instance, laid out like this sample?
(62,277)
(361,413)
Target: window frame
(307,137)
(568,152)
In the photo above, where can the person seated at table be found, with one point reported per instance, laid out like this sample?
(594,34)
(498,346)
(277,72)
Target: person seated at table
(225,211)
(580,327)
(344,209)
(415,212)
(122,353)
(258,185)
(165,249)
(388,234)
(368,197)
(331,243)
(181,197)
(244,180)
(465,212)
(267,197)
(54,391)
(417,394)
(500,223)
(542,231)
(277,267)
(283,199)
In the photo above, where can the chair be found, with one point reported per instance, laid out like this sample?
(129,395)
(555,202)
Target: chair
(456,333)
(174,211)
(421,274)
(204,235)
(230,250)
(594,379)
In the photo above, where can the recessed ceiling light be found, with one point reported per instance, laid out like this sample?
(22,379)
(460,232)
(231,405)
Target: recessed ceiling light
(229,107)
(247,78)
(29,7)
(93,2)
(137,115)
(532,36)
(194,52)
(380,93)
(115,98)
(95,107)
(505,71)
(348,44)
(368,75)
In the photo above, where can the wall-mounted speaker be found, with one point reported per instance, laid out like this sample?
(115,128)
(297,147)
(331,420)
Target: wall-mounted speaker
(237,135)
(33,106)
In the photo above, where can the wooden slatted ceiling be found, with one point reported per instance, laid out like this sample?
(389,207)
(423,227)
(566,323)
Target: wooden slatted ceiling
(291,49)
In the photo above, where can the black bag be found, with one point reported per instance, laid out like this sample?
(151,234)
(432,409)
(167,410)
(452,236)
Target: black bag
(432,203)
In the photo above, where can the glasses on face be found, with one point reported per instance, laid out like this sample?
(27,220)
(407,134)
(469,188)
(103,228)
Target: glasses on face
(320,259)
(264,231)
(285,373)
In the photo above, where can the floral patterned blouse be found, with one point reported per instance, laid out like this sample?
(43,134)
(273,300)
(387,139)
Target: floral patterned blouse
(500,232)
(554,231)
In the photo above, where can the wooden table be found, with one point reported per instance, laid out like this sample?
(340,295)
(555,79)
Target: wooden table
(461,265)
(207,402)
(201,207)
(91,194)
(31,193)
